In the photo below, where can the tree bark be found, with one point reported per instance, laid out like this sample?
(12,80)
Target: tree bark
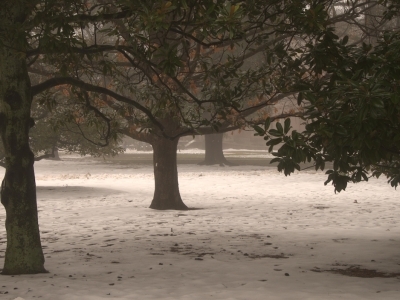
(24,253)
(166,193)
(214,150)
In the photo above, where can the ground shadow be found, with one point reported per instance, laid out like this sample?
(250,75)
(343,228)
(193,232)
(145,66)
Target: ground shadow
(45,192)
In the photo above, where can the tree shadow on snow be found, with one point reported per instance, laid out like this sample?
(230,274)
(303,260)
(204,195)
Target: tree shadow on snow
(55,192)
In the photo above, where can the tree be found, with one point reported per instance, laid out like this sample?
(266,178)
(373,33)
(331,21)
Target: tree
(18,193)
(188,68)
(214,153)
(28,30)
(151,80)
(58,128)
(64,121)
(170,64)
(199,67)
(351,112)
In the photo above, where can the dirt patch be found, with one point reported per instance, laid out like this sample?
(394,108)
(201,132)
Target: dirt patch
(199,254)
(254,235)
(178,249)
(358,271)
(321,207)
(340,240)
(188,250)
(277,256)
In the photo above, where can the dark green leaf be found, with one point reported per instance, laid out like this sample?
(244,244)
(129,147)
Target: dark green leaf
(279,127)
(287,126)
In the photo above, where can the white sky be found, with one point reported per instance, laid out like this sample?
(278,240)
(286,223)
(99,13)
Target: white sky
(102,242)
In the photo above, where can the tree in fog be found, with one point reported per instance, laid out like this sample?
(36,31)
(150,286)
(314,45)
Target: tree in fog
(214,153)
(57,128)
(180,69)
(200,67)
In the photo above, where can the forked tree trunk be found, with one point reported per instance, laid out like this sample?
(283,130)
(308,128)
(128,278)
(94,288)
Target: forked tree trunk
(214,150)
(24,253)
(166,193)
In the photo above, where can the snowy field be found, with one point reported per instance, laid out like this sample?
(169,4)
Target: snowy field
(230,152)
(253,234)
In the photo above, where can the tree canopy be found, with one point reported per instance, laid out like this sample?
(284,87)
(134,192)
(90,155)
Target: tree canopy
(351,111)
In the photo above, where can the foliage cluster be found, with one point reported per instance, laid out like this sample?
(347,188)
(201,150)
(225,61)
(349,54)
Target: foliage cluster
(351,112)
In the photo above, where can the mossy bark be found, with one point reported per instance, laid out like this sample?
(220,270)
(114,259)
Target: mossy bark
(24,253)
(166,193)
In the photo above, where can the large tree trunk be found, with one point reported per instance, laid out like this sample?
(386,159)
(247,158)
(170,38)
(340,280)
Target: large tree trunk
(24,253)
(166,194)
(214,150)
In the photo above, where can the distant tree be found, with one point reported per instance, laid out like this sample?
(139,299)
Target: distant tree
(65,122)
(214,153)
(57,128)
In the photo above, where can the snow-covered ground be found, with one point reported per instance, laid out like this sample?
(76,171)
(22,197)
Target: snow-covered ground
(230,152)
(254,234)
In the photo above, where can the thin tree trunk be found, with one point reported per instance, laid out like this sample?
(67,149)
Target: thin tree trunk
(24,253)
(214,150)
(166,193)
